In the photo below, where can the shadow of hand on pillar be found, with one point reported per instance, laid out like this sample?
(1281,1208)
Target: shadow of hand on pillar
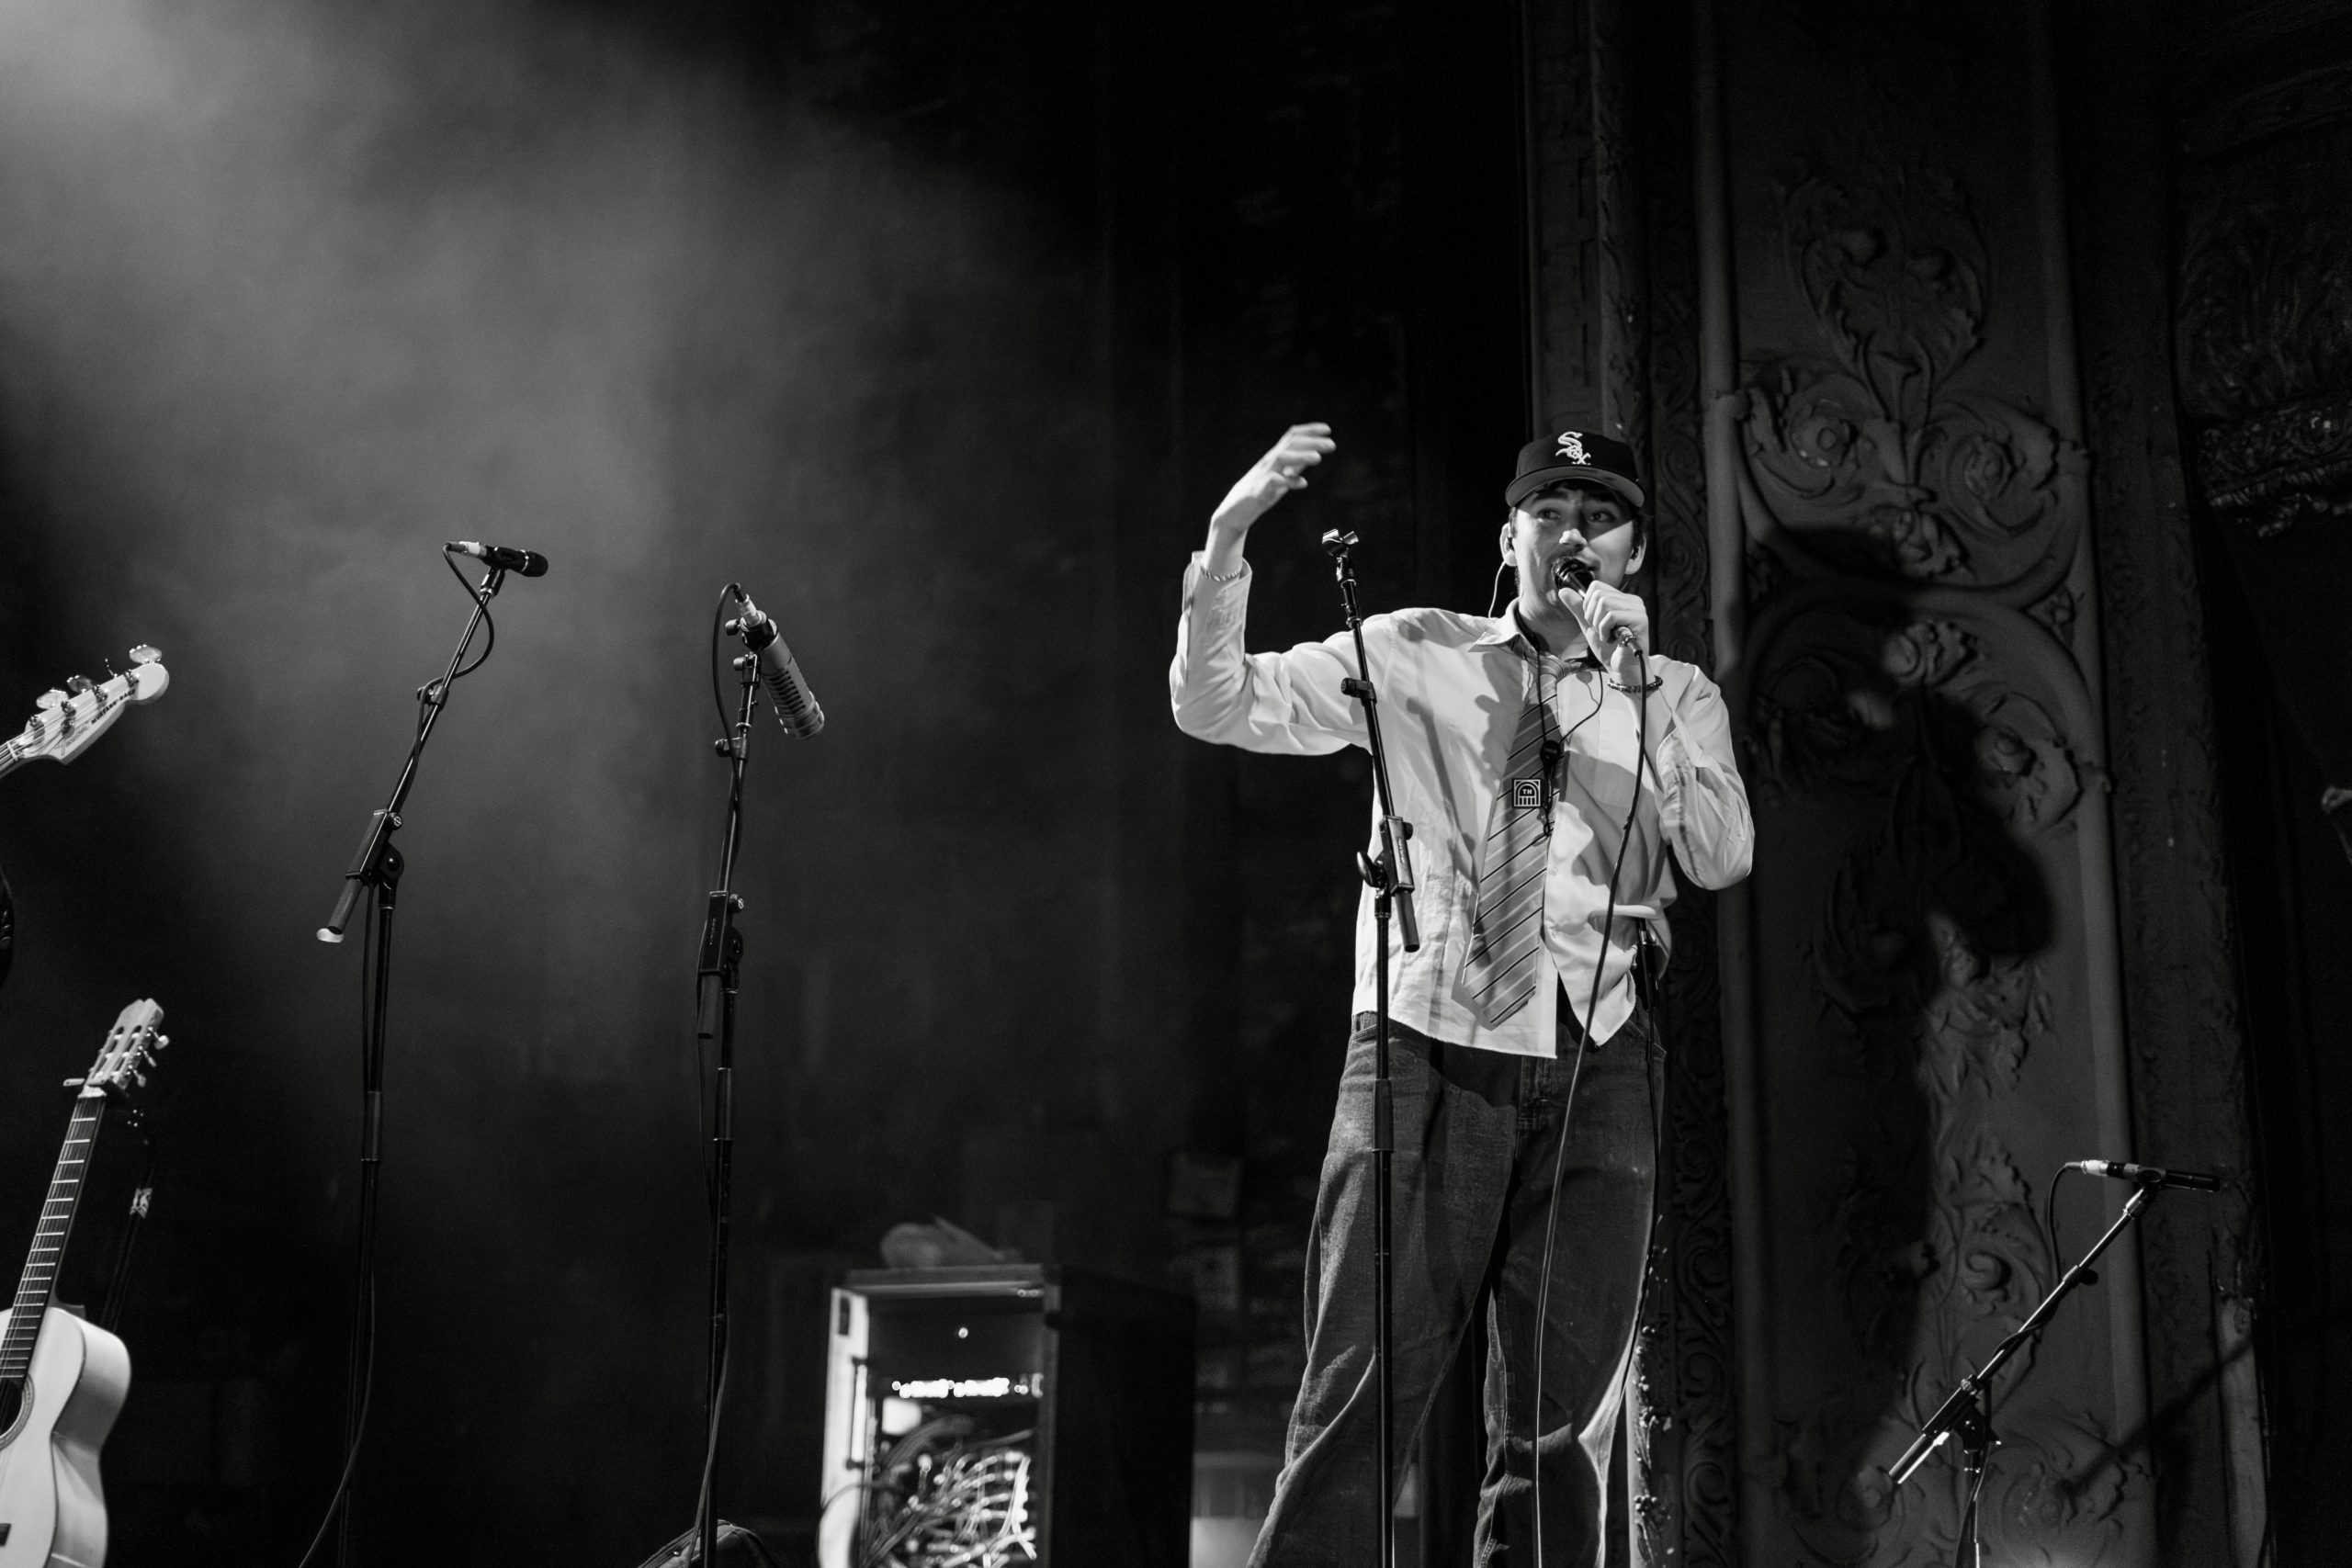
(1905,794)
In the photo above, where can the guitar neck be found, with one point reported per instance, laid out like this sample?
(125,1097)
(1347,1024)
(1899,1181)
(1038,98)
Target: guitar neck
(34,741)
(39,1281)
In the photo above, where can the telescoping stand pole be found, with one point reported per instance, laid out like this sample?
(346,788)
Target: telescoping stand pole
(1390,877)
(377,865)
(715,982)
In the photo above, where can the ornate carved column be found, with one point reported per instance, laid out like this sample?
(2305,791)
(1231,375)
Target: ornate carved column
(1923,978)
(1816,261)
(1563,305)
(2265,353)
(2261,123)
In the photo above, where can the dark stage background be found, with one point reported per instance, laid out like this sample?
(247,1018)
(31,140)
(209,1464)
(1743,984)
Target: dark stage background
(938,327)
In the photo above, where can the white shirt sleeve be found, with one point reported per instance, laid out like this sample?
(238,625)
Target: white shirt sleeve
(1703,805)
(1289,701)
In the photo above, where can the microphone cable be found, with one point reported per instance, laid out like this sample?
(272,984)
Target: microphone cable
(733,591)
(432,692)
(365,1392)
(1568,1105)
(429,696)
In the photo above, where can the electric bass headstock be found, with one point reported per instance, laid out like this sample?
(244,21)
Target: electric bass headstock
(128,1052)
(69,720)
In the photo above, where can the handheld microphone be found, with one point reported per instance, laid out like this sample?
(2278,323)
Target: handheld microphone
(2147,1175)
(1570,572)
(795,704)
(522,563)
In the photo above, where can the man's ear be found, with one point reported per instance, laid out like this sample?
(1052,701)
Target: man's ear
(1640,553)
(1507,537)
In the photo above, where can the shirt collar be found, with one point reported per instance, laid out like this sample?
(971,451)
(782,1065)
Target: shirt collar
(1506,630)
(1503,630)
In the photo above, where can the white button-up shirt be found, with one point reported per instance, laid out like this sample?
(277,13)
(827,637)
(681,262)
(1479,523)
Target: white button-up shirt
(1451,688)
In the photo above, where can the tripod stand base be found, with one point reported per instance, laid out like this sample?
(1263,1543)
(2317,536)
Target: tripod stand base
(738,1548)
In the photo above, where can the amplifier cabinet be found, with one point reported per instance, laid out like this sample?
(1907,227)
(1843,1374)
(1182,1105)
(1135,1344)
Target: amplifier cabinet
(1006,1414)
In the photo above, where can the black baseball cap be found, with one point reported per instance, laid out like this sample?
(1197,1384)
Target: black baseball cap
(1576,455)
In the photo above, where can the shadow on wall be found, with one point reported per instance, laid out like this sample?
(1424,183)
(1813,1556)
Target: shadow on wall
(1891,806)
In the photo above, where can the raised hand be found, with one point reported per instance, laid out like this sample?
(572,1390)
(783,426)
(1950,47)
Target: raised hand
(1281,470)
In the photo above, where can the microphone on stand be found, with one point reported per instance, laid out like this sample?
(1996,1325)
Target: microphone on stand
(795,704)
(2147,1175)
(522,563)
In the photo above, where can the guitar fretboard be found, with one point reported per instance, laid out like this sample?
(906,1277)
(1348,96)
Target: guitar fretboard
(40,1279)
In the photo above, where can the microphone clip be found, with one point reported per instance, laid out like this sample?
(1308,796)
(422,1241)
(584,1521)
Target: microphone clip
(754,627)
(2148,1177)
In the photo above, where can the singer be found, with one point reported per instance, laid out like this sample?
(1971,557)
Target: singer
(1512,748)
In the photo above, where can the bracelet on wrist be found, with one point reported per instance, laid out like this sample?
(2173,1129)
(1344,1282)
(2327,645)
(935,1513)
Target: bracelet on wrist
(1227,576)
(1656,682)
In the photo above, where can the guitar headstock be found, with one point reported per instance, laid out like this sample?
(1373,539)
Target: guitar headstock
(71,719)
(128,1052)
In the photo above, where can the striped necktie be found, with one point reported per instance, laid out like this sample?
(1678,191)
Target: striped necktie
(1506,927)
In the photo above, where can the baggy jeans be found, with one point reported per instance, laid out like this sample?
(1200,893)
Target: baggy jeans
(1477,1134)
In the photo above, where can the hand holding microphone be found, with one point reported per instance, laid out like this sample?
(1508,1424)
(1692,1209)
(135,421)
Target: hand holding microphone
(1611,618)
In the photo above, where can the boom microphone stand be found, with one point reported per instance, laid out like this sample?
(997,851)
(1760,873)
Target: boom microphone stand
(378,864)
(1390,877)
(1965,1414)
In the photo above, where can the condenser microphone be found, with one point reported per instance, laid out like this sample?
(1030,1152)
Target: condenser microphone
(523,563)
(795,704)
(2147,1175)
(1570,572)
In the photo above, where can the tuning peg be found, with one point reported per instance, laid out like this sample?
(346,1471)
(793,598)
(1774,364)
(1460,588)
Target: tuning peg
(162,1041)
(77,684)
(143,654)
(52,698)
(140,1077)
(75,1083)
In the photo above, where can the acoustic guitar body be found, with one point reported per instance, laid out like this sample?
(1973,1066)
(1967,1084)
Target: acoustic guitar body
(52,1509)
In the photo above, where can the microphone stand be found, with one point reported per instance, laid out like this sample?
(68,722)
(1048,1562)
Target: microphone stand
(1964,1412)
(1390,877)
(142,1196)
(715,984)
(378,864)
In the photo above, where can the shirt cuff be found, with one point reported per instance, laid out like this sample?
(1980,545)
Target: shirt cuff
(1674,779)
(1219,607)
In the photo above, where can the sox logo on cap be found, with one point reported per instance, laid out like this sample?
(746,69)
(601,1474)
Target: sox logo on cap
(1572,447)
